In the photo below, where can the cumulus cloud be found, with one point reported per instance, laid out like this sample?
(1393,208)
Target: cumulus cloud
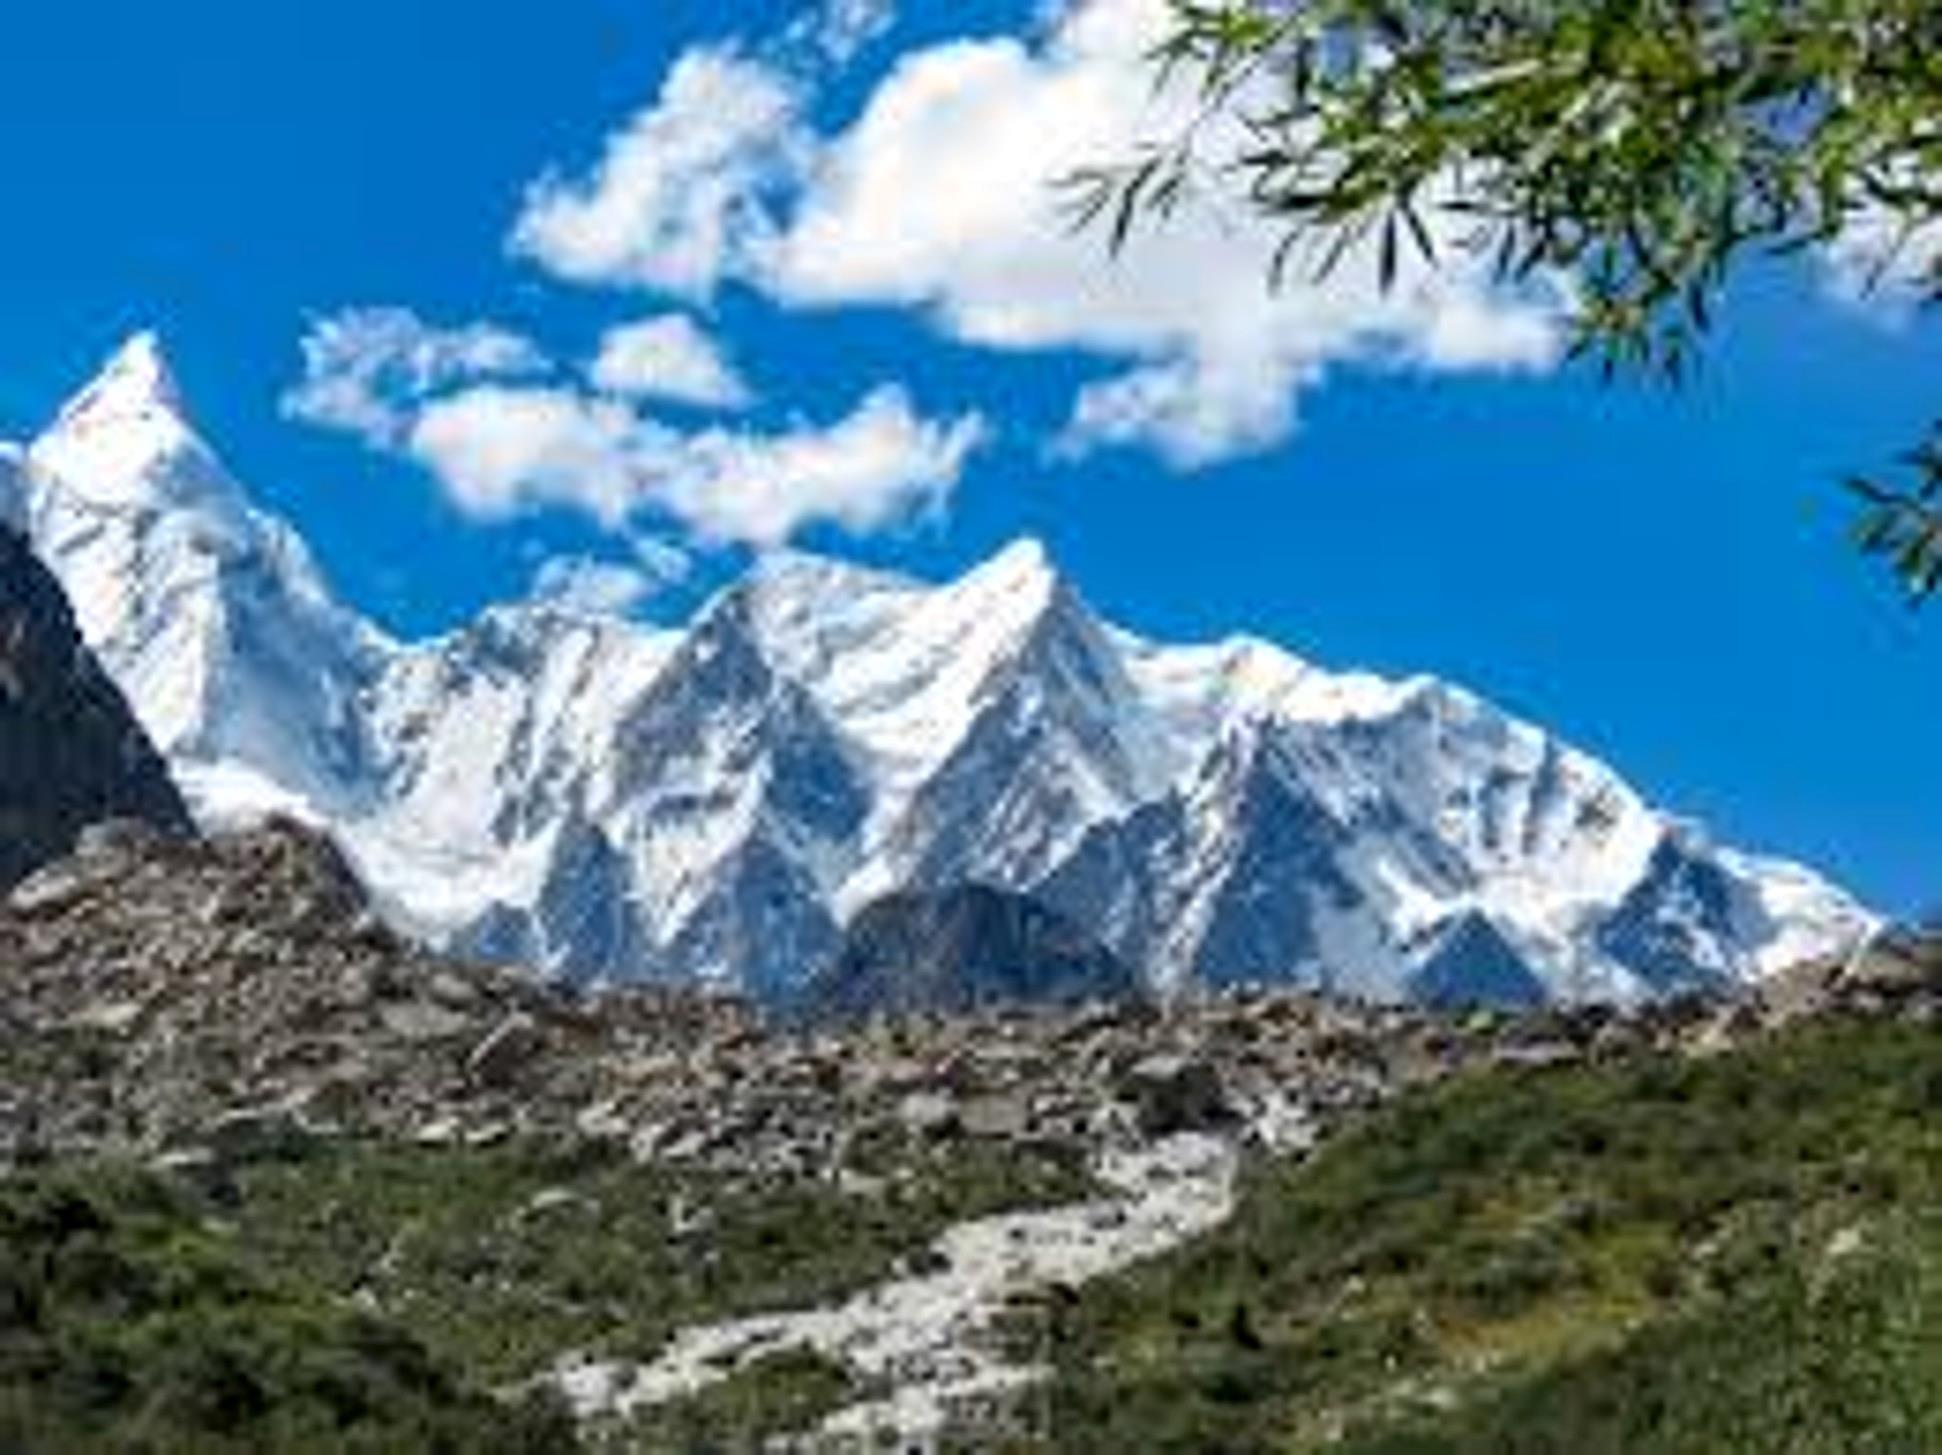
(669,357)
(681,197)
(935,197)
(502,451)
(881,465)
(366,370)
(939,197)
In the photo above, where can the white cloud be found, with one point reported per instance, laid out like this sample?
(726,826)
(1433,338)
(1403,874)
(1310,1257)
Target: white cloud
(937,197)
(503,451)
(1191,414)
(664,560)
(500,452)
(586,585)
(681,197)
(841,30)
(669,357)
(881,465)
(367,369)
(940,197)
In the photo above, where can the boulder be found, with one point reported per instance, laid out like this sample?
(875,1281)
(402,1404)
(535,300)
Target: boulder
(1174,1093)
(506,1051)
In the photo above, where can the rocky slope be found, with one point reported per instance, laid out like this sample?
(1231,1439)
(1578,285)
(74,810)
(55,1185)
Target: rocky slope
(711,805)
(159,987)
(71,752)
(867,1206)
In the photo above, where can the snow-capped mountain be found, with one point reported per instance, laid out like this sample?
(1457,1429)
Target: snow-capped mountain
(208,613)
(610,800)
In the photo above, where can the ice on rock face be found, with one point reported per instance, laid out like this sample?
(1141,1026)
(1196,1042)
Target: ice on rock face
(612,800)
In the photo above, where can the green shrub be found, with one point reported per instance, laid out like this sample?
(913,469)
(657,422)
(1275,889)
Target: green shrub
(125,1325)
(1618,1258)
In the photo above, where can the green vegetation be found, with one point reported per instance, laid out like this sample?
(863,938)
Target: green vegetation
(781,1394)
(1645,148)
(503,1258)
(125,1325)
(383,1296)
(1741,1253)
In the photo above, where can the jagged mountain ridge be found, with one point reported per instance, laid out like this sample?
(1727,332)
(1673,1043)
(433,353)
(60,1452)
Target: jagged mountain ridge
(610,800)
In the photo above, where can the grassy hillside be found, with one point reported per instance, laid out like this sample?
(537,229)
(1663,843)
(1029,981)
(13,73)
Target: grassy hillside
(126,1325)
(1735,1253)
(1740,1253)
(370,1295)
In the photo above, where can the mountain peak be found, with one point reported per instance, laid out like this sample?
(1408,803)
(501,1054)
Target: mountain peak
(1018,585)
(786,572)
(1025,563)
(136,381)
(125,443)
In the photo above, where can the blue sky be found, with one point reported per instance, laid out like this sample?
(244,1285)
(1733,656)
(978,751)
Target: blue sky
(1660,576)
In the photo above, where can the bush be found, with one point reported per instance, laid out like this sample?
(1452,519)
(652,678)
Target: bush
(128,1326)
(1614,1258)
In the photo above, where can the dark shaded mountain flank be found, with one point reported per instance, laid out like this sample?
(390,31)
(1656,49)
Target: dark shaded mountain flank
(960,949)
(71,752)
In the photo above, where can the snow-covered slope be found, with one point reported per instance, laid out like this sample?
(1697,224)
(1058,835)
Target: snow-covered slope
(209,614)
(712,804)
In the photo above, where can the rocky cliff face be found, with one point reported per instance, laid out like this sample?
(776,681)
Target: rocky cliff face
(71,752)
(963,949)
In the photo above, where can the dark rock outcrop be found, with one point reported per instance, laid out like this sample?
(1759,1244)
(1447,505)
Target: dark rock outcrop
(958,950)
(71,752)
(1472,965)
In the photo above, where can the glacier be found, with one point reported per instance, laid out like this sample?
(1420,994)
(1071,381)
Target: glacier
(610,801)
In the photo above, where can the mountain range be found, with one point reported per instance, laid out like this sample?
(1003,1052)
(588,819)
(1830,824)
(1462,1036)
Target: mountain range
(712,804)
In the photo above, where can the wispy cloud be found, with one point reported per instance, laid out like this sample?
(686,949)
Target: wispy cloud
(596,587)
(841,30)
(368,370)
